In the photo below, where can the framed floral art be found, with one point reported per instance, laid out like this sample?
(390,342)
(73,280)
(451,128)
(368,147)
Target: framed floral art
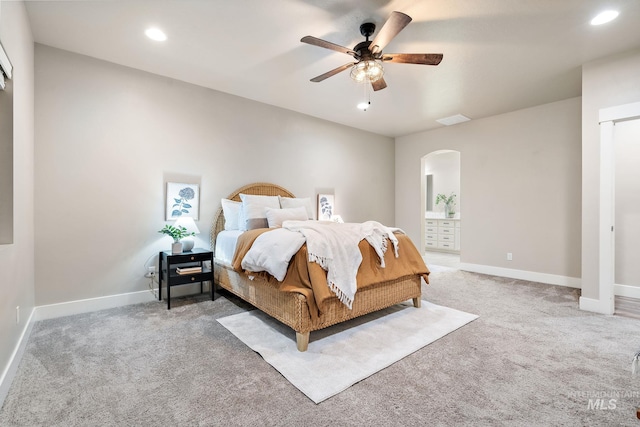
(325,207)
(183,200)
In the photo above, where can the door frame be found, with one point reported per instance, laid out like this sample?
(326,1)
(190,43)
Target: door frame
(608,117)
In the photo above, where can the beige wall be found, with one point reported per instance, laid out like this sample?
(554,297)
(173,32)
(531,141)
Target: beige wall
(605,83)
(109,137)
(17,259)
(520,176)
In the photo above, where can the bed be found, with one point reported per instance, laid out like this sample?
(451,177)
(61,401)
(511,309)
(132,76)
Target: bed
(292,307)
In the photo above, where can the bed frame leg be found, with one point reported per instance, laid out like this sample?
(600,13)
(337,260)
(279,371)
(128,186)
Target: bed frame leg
(417,302)
(302,341)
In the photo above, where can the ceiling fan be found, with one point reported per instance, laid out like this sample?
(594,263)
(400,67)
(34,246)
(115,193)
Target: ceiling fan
(368,54)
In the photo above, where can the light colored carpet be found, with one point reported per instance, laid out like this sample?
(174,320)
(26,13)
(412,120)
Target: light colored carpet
(531,358)
(345,354)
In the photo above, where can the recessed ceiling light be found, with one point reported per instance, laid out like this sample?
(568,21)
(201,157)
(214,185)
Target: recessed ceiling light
(156,34)
(453,120)
(604,17)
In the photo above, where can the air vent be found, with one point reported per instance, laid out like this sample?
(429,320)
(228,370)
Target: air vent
(453,120)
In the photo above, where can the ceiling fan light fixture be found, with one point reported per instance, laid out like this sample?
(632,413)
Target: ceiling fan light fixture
(367,71)
(368,54)
(364,105)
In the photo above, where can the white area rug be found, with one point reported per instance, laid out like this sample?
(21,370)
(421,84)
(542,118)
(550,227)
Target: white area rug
(342,355)
(440,268)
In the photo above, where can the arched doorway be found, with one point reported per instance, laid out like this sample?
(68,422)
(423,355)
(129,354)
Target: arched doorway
(440,175)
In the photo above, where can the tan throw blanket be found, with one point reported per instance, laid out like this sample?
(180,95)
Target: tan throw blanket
(310,280)
(335,247)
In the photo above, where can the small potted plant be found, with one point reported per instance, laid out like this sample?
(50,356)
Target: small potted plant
(176,233)
(449,204)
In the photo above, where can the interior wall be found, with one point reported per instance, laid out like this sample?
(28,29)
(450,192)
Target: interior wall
(520,173)
(17,259)
(109,137)
(607,82)
(445,168)
(627,202)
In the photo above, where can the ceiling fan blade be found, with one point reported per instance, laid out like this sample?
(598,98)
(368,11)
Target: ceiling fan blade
(333,72)
(413,58)
(379,84)
(396,22)
(327,45)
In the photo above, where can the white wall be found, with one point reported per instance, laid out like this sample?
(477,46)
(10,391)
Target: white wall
(17,259)
(606,83)
(520,175)
(627,203)
(445,168)
(109,137)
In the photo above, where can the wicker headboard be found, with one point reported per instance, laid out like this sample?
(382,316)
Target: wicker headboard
(258,188)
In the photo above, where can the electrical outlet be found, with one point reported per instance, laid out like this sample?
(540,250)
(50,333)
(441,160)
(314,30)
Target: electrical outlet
(17,315)
(509,256)
(151,271)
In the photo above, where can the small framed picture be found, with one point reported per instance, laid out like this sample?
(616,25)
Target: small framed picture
(183,200)
(325,207)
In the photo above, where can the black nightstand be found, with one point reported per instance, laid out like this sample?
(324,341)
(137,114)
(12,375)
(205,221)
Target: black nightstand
(194,258)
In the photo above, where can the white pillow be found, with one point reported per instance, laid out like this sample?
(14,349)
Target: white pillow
(275,217)
(254,210)
(291,202)
(231,211)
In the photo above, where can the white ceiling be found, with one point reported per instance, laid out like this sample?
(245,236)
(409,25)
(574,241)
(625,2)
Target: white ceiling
(499,55)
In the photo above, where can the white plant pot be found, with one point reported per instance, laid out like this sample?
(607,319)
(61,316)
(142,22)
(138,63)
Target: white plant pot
(176,248)
(187,244)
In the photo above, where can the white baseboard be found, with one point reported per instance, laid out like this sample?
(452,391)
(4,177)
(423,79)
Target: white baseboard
(587,304)
(606,306)
(532,276)
(69,308)
(12,366)
(52,311)
(595,305)
(627,291)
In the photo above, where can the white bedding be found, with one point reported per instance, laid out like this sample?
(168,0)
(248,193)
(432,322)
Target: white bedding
(226,246)
(333,246)
(272,251)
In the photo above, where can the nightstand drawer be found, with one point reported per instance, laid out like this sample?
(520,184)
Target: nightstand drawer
(431,244)
(446,230)
(189,257)
(431,222)
(431,237)
(181,279)
(431,230)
